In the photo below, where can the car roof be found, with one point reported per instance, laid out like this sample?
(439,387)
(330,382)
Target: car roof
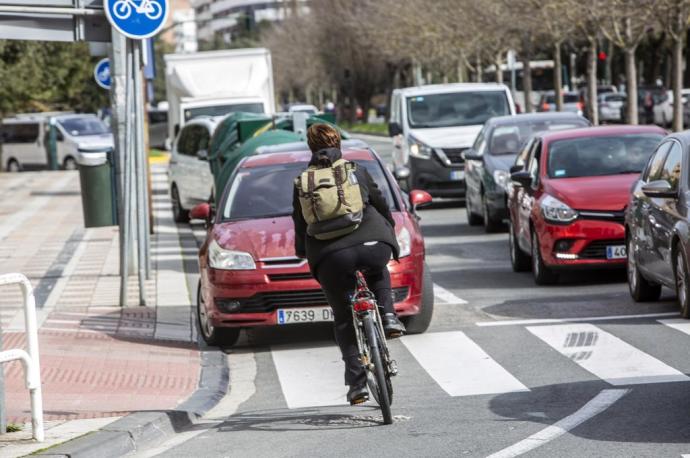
(683,137)
(600,131)
(534,117)
(303,155)
(453,87)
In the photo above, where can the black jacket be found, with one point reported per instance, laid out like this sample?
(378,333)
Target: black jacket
(377,224)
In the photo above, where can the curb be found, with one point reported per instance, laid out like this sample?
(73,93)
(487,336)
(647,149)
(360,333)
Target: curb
(143,429)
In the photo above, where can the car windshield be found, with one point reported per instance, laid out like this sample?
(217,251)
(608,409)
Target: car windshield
(509,139)
(456,108)
(221,110)
(266,192)
(599,156)
(567,98)
(88,125)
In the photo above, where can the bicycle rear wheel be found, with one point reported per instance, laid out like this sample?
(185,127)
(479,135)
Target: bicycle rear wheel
(380,379)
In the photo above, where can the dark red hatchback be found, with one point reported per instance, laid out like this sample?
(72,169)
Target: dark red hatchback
(250,275)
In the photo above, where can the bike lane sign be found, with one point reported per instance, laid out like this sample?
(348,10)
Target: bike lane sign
(137,19)
(101,73)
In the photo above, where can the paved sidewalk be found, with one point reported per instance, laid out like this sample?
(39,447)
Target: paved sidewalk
(97,360)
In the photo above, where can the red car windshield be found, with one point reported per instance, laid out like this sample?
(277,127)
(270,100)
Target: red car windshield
(266,192)
(599,156)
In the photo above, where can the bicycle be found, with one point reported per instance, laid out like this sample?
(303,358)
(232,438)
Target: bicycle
(373,350)
(122,9)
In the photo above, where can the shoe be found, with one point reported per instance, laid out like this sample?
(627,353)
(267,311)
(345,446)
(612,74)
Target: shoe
(392,326)
(357,394)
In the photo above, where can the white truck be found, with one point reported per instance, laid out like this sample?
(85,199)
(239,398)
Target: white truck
(216,83)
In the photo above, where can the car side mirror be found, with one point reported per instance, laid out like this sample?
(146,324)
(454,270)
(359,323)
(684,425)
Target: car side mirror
(202,155)
(420,199)
(394,129)
(659,189)
(471,155)
(522,178)
(516,168)
(201,211)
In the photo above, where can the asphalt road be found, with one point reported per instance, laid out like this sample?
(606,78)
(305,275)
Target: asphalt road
(507,368)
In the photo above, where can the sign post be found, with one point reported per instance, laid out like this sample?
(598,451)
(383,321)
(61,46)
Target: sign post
(136,20)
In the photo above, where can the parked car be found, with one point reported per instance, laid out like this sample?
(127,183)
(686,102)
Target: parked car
(250,276)
(158,127)
(657,224)
(611,107)
(303,108)
(189,175)
(24,139)
(567,208)
(663,110)
(488,161)
(571,102)
(432,126)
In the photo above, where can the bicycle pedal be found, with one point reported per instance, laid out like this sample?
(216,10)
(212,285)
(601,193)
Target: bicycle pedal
(393,367)
(395,335)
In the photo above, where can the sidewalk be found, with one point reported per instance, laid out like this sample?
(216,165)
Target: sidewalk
(98,361)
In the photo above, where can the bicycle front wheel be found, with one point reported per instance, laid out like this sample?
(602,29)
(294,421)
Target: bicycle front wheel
(379,373)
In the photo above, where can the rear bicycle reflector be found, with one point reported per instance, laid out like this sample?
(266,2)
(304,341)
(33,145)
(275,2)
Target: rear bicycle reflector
(363,305)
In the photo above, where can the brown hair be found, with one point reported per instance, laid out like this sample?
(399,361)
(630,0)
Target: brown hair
(321,136)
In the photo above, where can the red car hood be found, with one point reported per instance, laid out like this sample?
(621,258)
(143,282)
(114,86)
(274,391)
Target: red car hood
(264,238)
(605,193)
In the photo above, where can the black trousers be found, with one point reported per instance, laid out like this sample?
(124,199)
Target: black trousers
(336,273)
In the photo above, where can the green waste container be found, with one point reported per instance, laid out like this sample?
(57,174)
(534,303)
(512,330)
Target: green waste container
(98,195)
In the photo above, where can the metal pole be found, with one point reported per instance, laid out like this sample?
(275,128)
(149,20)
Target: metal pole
(139,172)
(118,93)
(146,179)
(127,178)
(3,413)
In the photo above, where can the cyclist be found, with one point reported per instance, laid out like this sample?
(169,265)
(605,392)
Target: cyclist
(335,261)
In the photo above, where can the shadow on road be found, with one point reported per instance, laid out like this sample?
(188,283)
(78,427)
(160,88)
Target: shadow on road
(302,420)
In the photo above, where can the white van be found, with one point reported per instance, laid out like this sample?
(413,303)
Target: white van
(433,125)
(25,139)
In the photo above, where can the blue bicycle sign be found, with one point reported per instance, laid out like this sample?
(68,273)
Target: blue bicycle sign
(101,73)
(137,19)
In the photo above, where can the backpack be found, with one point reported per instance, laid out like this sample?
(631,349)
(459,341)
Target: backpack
(331,200)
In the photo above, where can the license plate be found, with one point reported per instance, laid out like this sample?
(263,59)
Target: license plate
(456,175)
(616,252)
(305,315)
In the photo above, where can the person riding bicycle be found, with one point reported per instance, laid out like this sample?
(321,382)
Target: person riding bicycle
(366,246)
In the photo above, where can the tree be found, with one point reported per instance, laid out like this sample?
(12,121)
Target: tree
(626,23)
(673,15)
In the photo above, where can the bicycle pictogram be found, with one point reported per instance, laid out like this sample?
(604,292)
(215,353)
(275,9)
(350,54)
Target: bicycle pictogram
(150,8)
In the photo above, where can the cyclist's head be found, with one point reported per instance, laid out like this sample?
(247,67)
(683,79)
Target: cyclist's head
(321,136)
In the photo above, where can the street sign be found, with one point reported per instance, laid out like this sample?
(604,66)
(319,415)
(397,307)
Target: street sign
(101,73)
(137,19)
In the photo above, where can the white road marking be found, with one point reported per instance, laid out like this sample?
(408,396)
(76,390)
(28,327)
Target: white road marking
(594,407)
(605,355)
(572,320)
(310,377)
(678,324)
(459,365)
(446,296)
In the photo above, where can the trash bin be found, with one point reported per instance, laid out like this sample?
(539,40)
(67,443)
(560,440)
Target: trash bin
(98,196)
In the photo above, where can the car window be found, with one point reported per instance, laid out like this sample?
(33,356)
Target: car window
(188,141)
(508,139)
(521,160)
(534,160)
(671,170)
(479,142)
(86,125)
(204,139)
(456,108)
(653,170)
(222,110)
(600,156)
(266,192)
(21,133)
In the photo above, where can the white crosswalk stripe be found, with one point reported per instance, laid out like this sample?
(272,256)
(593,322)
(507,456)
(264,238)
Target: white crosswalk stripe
(678,324)
(310,377)
(605,355)
(459,365)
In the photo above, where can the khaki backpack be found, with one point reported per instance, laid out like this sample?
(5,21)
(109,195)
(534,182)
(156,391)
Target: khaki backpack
(331,200)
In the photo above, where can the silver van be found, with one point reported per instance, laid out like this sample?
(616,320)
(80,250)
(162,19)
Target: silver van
(24,139)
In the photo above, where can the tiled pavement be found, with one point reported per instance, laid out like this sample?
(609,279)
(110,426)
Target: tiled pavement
(97,359)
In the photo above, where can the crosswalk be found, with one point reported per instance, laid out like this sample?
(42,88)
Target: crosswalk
(312,376)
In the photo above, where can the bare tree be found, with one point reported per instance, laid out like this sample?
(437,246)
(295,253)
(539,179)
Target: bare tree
(674,15)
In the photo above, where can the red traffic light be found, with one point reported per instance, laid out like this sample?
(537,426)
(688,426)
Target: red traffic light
(602,55)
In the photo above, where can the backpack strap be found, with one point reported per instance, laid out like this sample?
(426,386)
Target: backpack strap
(311,186)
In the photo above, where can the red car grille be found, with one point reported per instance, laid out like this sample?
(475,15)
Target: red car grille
(597,249)
(268,302)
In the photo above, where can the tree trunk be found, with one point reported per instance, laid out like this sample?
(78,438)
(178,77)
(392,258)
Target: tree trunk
(480,72)
(558,75)
(592,105)
(608,70)
(631,82)
(678,83)
(499,73)
(461,71)
(527,83)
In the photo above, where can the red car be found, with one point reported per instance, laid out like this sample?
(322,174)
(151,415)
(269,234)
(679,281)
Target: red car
(569,193)
(250,275)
